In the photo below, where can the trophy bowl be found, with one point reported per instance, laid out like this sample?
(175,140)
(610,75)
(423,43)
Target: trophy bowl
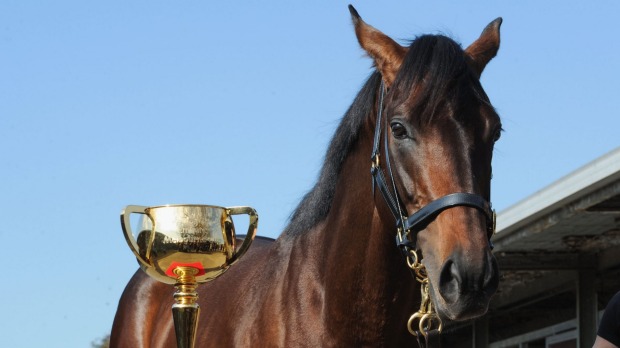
(198,236)
(185,245)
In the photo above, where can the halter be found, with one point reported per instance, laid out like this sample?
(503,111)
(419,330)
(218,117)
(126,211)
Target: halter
(419,220)
(409,226)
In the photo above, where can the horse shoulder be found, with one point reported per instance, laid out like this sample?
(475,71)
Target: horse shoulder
(260,301)
(239,304)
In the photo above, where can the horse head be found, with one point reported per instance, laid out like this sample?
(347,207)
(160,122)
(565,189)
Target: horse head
(439,133)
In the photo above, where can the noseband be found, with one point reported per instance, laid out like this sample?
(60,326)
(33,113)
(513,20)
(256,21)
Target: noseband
(408,226)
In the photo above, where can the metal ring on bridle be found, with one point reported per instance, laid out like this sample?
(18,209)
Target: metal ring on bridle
(425,324)
(412,260)
(419,269)
(415,316)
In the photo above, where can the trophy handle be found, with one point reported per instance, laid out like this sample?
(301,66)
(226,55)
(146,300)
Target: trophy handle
(251,230)
(126,224)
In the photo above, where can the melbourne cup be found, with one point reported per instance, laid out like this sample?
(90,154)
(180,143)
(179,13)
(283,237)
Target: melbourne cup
(186,245)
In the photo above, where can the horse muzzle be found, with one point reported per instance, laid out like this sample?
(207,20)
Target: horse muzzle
(464,287)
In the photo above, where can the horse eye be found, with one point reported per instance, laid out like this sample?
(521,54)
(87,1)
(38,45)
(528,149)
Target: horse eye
(398,130)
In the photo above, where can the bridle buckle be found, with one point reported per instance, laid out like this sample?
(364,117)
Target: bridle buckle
(375,161)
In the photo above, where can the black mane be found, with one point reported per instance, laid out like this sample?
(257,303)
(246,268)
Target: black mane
(435,63)
(316,203)
(438,66)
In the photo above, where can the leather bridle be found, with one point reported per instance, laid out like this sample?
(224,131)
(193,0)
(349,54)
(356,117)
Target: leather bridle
(410,226)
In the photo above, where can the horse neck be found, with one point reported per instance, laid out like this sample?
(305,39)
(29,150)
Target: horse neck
(364,277)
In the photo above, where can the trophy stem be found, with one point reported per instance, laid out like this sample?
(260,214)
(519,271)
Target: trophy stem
(185,311)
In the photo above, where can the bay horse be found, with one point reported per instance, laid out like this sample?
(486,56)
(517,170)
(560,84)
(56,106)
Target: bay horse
(336,277)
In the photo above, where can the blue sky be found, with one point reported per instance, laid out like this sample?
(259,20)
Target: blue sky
(105,104)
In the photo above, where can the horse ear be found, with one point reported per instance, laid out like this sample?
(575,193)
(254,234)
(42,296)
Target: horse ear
(387,54)
(485,48)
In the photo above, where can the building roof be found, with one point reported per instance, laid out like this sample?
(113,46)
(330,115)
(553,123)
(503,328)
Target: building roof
(585,202)
(545,242)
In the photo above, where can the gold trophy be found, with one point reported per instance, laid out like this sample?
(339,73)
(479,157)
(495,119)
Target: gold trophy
(185,245)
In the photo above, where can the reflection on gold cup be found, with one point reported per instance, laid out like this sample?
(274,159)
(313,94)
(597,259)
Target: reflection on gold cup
(185,245)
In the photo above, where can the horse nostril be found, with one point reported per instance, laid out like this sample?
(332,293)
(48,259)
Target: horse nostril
(449,282)
(491,277)
(465,285)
